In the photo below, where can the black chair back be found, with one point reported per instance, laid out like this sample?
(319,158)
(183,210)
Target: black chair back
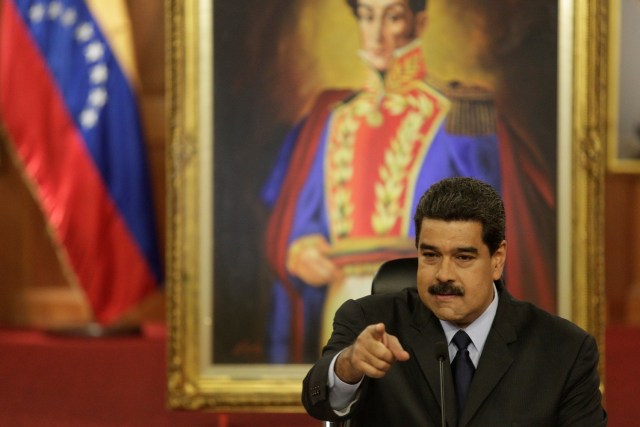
(395,275)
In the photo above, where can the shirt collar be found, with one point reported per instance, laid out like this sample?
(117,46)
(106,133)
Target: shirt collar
(479,329)
(406,68)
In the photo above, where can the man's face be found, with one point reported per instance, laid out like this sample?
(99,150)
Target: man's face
(455,269)
(386,25)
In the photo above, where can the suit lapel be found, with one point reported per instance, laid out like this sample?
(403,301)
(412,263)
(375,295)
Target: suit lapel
(424,333)
(495,361)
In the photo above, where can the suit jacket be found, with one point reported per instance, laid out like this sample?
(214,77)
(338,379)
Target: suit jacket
(536,369)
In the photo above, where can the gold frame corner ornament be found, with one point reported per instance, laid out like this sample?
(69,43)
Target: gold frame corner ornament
(193,381)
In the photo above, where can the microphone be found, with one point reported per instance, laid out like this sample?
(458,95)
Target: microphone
(441,351)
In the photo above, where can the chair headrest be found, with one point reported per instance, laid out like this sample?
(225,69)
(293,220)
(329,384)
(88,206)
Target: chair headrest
(395,275)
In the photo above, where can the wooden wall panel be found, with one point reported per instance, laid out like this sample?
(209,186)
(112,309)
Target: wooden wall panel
(622,248)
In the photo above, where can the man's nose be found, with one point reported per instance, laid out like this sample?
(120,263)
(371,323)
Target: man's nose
(378,30)
(445,271)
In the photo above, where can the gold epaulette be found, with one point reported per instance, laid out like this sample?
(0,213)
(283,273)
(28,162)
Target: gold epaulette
(472,110)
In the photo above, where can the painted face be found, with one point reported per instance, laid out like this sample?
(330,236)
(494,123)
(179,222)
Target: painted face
(386,25)
(455,269)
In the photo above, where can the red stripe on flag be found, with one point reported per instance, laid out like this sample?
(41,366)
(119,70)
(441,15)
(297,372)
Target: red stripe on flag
(102,253)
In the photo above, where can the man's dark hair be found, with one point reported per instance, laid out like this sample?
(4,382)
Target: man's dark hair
(464,199)
(415,5)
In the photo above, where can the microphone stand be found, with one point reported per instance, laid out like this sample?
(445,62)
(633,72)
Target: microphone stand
(441,353)
(441,360)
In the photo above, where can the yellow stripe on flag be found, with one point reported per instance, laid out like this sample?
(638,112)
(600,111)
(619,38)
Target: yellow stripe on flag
(113,17)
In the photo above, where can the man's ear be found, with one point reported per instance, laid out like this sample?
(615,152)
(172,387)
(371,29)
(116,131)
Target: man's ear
(498,259)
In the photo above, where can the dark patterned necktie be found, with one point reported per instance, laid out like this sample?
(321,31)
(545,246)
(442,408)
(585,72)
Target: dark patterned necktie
(462,367)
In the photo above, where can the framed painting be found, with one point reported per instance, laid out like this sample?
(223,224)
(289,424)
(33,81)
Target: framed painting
(245,78)
(624,141)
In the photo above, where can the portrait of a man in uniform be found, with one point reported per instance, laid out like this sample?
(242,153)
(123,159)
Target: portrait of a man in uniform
(351,156)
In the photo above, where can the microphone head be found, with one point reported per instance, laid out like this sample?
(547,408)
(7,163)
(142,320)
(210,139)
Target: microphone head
(441,350)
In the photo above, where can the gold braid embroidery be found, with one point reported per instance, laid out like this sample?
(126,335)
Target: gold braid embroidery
(400,94)
(398,159)
(341,165)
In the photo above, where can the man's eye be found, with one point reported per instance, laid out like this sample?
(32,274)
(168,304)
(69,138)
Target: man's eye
(363,16)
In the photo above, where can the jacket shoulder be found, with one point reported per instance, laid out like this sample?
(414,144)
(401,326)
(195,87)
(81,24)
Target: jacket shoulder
(472,110)
(532,319)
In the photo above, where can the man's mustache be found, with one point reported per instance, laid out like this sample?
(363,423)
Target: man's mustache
(445,288)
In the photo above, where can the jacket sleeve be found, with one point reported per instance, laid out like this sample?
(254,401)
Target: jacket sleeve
(349,321)
(582,401)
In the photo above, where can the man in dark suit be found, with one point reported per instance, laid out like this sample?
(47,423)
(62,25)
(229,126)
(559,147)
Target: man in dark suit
(527,367)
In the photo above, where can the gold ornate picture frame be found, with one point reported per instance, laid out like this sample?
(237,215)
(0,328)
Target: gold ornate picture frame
(194,380)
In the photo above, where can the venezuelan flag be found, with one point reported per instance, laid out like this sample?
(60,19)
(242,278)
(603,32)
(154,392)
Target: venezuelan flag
(68,108)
